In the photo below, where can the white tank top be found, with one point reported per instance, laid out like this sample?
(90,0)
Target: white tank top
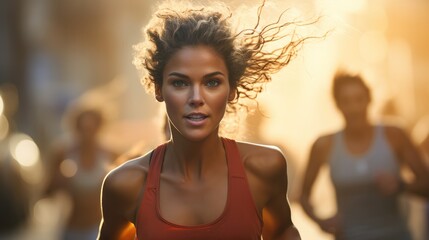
(88,180)
(366,213)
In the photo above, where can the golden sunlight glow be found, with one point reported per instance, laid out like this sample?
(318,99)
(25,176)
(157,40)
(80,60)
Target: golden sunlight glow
(352,6)
(4,127)
(373,47)
(346,6)
(400,74)
(24,150)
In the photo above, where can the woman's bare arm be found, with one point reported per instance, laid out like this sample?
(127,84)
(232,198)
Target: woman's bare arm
(120,198)
(278,223)
(318,157)
(411,157)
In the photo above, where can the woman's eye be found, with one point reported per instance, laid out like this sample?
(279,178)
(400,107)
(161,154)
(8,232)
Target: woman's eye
(213,83)
(179,83)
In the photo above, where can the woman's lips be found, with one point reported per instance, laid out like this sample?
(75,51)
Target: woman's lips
(196,119)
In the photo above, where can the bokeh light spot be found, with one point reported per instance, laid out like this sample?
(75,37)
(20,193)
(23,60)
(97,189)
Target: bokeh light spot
(68,168)
(24,150)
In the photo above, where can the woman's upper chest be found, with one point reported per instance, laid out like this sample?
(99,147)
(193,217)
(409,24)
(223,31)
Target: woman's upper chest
(196,202)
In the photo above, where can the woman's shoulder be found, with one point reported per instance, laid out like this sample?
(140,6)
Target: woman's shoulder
(258,150)
(323,143)
(124,185)
(262,159)
(327,138)
(396,136)
(128,174)
(392,130)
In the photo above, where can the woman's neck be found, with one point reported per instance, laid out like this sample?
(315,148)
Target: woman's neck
(358,129)
(86,144)
(193,159)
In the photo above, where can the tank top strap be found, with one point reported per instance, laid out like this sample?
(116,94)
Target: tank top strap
(338,142)
(339,137)
(379,133)
(381,141)
(155,166)
(235,167)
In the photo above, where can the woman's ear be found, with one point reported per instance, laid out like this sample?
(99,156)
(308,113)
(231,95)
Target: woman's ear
(232,94)
(158,94)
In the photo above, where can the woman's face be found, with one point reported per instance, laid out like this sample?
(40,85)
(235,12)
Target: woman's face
(88,125)
(196,91)
(353,101)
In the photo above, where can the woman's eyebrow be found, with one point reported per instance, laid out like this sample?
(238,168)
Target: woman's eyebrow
(214,74)
(178,75)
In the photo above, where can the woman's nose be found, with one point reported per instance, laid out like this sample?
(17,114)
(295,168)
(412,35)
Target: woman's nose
(196,97)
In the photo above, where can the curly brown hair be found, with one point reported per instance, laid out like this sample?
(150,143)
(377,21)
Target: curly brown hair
(245,53)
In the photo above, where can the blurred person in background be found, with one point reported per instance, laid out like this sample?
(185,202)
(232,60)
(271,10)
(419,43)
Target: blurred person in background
(79,168)
(199,185)
(365,160)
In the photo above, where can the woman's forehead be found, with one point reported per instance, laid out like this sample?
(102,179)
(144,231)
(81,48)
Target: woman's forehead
(195,58)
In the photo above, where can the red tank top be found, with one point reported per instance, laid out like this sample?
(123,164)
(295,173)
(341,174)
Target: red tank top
(239,221)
